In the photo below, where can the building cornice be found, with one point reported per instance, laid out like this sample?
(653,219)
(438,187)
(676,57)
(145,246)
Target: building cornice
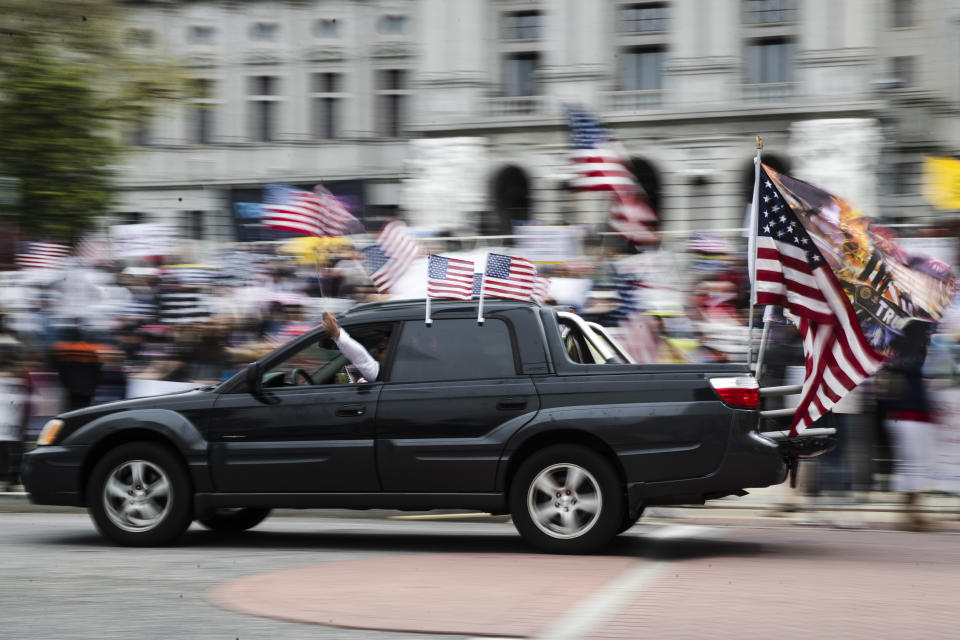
(835,57)
(794,110)
(454,79)
(701,65)
(570,73)
(262,56)
(325,54)
(392,50)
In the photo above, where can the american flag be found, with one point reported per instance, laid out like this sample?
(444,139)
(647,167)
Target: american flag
(477,282)
(600,166)
(313,213)
(791,272)
(449,278)
(540,290)
(43,255)
(391,256)
(507,277)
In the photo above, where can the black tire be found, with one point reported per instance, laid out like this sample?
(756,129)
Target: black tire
(145,508)
(556,524)
(234,520)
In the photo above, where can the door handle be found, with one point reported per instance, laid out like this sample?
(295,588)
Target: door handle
(511,404)
(349,410)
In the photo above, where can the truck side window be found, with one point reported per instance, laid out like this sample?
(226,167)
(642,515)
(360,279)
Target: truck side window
(455,349)
(577,348)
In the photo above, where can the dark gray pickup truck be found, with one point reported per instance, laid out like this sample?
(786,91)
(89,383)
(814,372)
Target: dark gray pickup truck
(535,413)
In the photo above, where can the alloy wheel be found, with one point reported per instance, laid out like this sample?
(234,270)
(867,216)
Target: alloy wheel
(137,496)
(564,501)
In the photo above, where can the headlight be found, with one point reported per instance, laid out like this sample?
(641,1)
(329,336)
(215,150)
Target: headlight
(50,431)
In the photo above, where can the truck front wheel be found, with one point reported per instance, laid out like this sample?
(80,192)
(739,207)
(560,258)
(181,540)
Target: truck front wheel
(566,499)
(139,495)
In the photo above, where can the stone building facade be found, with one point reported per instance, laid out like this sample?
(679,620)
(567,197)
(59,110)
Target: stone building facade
(302,91)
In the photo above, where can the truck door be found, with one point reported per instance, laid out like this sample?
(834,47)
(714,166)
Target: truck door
(454,395)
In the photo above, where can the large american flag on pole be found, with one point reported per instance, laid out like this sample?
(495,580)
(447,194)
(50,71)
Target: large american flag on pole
(509,277)
(792,272)
(449,278)
(599,165)
(389,258)
(313,213)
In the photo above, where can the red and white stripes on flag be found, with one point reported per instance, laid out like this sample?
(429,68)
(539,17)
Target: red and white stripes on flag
(44,255)
(313,213)
(791,272)
(540,290)
(389,258)
(508,277)
(600,165)
(449,278)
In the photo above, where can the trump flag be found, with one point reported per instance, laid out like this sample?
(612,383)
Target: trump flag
(846,281)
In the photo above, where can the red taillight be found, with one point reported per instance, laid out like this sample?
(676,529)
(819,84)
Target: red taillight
(738,392)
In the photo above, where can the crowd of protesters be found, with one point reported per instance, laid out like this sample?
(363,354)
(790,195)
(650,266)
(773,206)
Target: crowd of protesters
(95,333)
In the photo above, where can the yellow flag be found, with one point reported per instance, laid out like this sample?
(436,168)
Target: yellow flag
(941,182)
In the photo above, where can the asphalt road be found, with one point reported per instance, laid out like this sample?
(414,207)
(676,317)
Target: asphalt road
(61,580)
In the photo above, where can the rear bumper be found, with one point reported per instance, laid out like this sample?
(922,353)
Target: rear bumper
(51,475)
(751,461)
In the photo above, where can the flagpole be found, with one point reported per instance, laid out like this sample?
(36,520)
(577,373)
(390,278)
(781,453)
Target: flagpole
(483,276)
(752,247)
(428,320)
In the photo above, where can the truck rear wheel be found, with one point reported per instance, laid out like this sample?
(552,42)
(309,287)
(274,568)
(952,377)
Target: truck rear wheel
(566,499)
(139,495)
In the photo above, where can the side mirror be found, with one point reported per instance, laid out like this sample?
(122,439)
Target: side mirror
(252,376)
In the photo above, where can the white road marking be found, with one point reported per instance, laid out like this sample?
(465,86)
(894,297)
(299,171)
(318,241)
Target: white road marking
(614,594)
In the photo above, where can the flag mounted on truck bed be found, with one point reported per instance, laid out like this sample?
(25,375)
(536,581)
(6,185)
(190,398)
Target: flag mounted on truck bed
(850,287)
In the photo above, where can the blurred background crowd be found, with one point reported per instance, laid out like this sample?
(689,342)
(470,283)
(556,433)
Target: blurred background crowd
(138,138)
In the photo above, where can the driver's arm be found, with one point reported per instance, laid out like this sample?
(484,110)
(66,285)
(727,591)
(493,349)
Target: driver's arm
(367,365)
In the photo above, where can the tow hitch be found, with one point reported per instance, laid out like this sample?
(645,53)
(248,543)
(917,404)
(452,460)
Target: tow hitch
(809,444)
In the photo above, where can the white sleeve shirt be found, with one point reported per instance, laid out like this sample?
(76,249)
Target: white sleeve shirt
(367,365)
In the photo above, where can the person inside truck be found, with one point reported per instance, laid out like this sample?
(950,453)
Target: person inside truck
(366,362)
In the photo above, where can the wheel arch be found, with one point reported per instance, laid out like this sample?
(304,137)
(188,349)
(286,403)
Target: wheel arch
(172,431)
(537,441)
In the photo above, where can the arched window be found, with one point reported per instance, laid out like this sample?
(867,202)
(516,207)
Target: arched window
(649,178)
(511,198)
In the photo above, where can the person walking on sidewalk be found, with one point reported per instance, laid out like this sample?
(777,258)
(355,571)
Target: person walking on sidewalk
(910,425)
(11,427)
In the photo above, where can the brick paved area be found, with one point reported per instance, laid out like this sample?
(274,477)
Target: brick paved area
(715,582)
(471,594)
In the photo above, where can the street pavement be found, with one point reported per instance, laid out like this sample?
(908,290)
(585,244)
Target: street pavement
(398,579)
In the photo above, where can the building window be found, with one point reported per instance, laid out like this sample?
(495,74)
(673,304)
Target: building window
(770,60)
(902,70)
(393,25)
(140,38)
(263,96)
(193,225)
(200,34)
(392,96)
(141,129)
(521,25)
(641,69)
(202,112)
(768,11)
(643,17)
(265,31)
(326,28)
(902,14)
(326,99)
(520,74)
